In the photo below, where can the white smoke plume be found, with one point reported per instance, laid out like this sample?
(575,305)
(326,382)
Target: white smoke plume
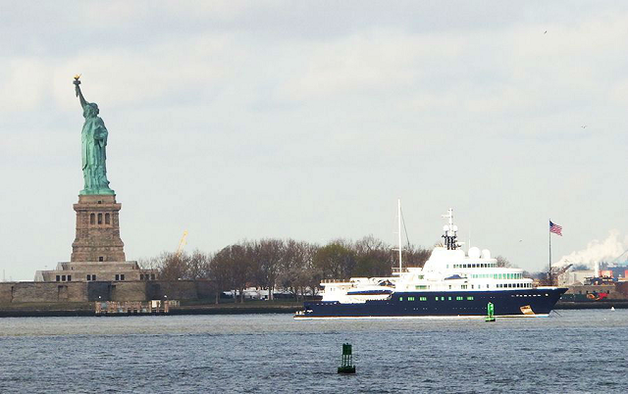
(596,251)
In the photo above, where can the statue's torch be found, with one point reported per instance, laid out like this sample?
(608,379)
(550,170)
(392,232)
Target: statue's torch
(77,82)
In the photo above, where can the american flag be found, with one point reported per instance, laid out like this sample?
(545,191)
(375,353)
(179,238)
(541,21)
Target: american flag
(556,228)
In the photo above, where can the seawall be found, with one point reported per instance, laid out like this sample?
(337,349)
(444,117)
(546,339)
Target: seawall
(76,292)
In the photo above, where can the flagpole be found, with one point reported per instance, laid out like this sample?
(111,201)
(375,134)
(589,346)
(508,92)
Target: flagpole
(549,273)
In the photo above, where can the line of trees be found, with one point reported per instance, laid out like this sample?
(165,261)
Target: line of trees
(293,266)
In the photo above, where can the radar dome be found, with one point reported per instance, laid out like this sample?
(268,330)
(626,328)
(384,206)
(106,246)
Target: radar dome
(474,252)
(445,228)
(486,254)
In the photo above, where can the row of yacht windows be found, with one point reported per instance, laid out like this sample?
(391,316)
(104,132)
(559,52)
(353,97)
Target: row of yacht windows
(476,265)
(513,285)
(451,298)
(479,286)
(513,275)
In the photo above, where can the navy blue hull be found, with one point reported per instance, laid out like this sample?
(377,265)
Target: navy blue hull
(461,303)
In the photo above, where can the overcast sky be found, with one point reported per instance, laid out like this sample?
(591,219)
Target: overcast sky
(308,119)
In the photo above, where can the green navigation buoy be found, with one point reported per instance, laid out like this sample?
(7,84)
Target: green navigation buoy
(347,360)
(490,312)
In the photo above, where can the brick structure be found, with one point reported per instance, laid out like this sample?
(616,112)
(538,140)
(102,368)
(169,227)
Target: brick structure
(97,230)
(97,250)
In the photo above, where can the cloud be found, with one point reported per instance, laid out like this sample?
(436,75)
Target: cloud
(23,83)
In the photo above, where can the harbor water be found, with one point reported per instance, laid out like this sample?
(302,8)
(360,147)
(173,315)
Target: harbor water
(571,351)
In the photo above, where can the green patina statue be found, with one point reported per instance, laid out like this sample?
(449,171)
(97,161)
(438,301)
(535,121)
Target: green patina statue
(93,147)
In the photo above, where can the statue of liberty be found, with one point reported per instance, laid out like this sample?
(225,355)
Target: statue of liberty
(93,147)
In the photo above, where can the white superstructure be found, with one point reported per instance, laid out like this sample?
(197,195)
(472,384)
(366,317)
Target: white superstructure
(449,268)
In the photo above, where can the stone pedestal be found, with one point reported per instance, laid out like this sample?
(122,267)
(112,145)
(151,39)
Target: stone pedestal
(97,230)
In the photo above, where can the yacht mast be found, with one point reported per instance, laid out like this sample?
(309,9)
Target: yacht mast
(399,233)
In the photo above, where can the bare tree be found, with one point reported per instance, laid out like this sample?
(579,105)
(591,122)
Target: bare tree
(416,256)
(373,257)
(198,266)
(221,272)
(502,261)
(241,266)
(335,261)
(172,266)
(266,256)
(297,268)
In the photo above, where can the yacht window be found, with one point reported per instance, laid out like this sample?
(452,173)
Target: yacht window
(400,298)
(470,298)
(410,298)
(459,298)
(442,298)
(472,286)
(448,298)
(436,298)
(422,298)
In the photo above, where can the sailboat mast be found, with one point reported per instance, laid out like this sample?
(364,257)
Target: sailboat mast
(399,233)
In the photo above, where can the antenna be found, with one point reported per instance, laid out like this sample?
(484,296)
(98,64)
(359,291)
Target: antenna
(469,246)
(399,233)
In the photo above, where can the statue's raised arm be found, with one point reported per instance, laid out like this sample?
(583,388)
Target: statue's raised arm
(78,92)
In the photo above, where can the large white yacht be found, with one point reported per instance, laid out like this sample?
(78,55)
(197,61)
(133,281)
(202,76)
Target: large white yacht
(451,283)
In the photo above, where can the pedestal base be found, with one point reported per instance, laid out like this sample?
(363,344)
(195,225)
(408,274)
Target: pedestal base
(97,229)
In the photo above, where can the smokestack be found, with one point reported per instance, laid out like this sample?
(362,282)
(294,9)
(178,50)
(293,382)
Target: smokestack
(597,269)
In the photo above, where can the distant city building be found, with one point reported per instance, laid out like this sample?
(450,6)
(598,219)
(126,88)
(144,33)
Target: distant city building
(575,277)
